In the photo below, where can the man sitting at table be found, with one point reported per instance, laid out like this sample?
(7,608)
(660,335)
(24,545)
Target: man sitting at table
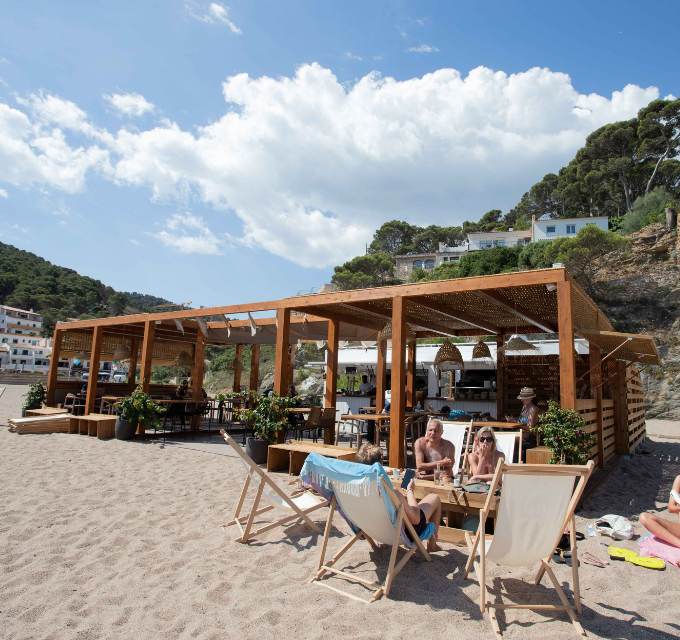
(433,450)
(429,509)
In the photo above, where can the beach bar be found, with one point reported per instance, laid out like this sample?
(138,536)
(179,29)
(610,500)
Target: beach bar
(605,387)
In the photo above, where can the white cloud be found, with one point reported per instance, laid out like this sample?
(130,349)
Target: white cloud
(377,57)
(670,96)
(351,56)
(4,61)
(312,168)
(216,14)
(189,234)
(62,222)
(129,104)
(18,228)
(423,48)
(133,241)
(3,194)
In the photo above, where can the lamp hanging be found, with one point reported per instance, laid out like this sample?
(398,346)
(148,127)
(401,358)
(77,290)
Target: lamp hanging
(448,357)
(183,359)
(517,344)
(235,365)
(481,350)
(83,355)
(122,352)
(386,335)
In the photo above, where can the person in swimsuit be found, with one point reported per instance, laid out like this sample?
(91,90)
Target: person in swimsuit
(419,514)
(433,450)
(483,461)
(662,528)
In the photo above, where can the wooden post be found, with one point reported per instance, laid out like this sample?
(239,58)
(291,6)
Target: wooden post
(237,370)
(380,379)
(565,322)
(281,359)
(291,365)
(197,375)
(132,375)
(147,354)
(254,366)
(54,368)
(397,413)
(94,369)
(411,375)
(500,378)
(596,393)
(332,374)
(620,397)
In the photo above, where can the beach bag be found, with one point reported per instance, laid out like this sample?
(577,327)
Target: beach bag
(616,527)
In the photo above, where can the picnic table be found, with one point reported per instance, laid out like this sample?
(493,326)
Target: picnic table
(292,456)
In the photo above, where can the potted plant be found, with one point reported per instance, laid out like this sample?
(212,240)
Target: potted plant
(139,407)
(35,396)
(220,407)
(563,432)
(269,415)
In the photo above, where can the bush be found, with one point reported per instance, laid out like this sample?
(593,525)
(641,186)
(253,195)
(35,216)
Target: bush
(532,256)
(563,431)
(646,210)
(35,396)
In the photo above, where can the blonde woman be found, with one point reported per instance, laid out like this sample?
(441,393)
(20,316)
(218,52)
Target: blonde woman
(483,461)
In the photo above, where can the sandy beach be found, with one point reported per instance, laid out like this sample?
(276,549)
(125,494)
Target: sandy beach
(112,539)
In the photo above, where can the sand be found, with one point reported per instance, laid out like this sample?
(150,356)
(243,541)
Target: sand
(111,539)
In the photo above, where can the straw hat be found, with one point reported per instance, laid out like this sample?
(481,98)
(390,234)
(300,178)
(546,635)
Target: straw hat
(526,393)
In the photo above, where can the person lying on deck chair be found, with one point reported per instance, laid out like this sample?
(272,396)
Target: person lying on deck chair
(419,514)
(433,450)
(483,461)
(662,528)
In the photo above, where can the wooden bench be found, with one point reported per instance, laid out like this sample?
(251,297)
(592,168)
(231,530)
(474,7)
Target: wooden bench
(41,413)
(292,456)
(96,424)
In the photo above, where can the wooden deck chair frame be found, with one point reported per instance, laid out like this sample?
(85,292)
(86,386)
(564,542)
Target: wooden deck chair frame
(518,438)
(265,481)
(464,453)
(583,473)
(392,570)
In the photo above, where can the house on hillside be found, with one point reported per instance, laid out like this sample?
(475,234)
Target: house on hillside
(20,321)
(561,227)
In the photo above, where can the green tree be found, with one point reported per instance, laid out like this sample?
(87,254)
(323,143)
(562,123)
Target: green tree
(393,238)
(646,209)
(580,254)
(659,132)
(117,303)
(532,255)
(374,270)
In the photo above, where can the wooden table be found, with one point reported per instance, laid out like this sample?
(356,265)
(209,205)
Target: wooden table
(300,410)
(455,504)
(95,424)
(47,411)
(292,456)
(112,400)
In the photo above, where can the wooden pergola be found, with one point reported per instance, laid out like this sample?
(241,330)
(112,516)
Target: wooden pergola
(541,301)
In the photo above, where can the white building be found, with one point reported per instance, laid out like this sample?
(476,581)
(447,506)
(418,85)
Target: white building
(565,227)
(487,240)
(20,321)
(25,352)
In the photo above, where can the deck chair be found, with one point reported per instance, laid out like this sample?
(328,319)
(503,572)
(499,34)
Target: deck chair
(505,442)
(456,432)
(297,506)
(364,497)
(538,502)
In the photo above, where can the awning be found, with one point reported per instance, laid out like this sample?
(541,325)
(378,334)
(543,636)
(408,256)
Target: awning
(636,347)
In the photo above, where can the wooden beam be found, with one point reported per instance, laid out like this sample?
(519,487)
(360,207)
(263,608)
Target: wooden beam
(291,365)
(347,318)
(332,373)
(509,305)
(387,315)
(380,379)
(254,366)
(147,354)
(305,303)
(454,314)
(397,407)
(132,375)
(281,358)
(197,376)
(619,388)
(411,375)
(54,368)
(500,379)
(596,392)
(93,378)
(565,320)
(237,370)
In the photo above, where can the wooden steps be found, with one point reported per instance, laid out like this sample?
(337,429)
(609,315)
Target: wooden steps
(41,424)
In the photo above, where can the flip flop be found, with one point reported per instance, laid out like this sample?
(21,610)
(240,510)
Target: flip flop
(589,558)
(650,563)
(617,553)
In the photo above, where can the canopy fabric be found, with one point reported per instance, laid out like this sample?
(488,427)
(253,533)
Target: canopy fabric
(636,348)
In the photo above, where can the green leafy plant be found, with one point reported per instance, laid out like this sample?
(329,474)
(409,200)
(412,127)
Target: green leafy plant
(220,397)
(140,407)
(35,396)
(563,431)
(269,414)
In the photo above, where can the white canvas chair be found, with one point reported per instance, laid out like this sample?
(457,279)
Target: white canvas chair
(297,506)
(456,432)
(364,497)
(538,502)
(506,441)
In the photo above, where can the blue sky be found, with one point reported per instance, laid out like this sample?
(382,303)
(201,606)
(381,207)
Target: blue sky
(232,152)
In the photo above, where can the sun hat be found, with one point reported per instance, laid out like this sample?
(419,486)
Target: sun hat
(526,392)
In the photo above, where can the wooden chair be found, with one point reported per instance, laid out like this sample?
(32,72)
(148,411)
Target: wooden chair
(506,442)
(352,424)
(538,502)
(326,422)
(364,497)
(297,506)
(312,422)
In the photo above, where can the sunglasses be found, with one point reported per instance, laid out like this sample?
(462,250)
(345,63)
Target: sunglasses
(486,439)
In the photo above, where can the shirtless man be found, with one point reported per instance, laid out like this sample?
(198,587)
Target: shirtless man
(667,530)
(433,450)
(483,461)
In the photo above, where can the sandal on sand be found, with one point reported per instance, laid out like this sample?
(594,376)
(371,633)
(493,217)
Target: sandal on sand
(650,563)
(617,553)
(589,558)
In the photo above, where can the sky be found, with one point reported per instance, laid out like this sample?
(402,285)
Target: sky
(221,153)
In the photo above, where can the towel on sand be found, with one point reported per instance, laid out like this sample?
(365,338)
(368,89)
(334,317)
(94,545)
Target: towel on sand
(650,545)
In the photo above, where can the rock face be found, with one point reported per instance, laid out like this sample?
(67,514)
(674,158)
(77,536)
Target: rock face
(314,384)
(641,294)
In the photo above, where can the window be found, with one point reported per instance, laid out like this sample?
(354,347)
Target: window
(24,352)
(550,229)
(446,259)
(499,243)
(418,264)
(429,264)
(455,259)
(486,244)
(571,228)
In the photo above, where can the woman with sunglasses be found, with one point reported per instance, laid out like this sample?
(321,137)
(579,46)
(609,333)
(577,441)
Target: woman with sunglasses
(483,461)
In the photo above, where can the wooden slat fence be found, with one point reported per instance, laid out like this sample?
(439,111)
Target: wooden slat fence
(636,409)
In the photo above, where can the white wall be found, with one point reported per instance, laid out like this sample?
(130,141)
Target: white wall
(560,225)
